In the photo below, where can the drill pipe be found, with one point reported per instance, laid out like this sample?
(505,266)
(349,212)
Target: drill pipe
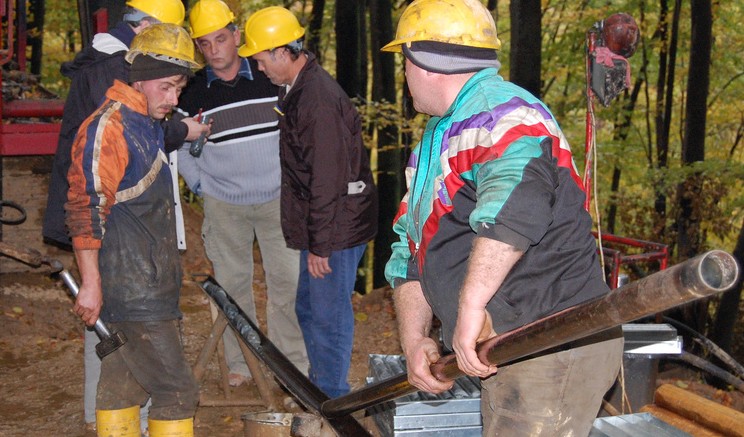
(287,374)
(697,278)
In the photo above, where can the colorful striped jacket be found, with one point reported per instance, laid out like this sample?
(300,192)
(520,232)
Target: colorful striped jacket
(496,165)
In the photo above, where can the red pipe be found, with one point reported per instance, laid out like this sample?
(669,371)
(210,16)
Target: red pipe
(30,108)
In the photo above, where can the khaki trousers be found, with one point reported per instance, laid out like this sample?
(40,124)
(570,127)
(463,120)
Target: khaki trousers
(554,394)
(228,232)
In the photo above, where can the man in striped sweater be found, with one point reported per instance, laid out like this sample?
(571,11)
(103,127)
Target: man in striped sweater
(238,176)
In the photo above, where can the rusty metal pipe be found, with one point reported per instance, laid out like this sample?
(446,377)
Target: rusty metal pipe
(703,276)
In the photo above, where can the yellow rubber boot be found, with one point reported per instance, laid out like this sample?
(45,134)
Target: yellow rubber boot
(171,428)
(118,423)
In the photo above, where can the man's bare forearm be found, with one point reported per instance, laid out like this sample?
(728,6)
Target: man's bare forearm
(90,296)
(413,313)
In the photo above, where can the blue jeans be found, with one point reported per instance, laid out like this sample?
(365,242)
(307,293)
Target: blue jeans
(327,319)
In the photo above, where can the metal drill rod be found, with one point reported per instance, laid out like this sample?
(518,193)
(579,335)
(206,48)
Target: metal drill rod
(703,276)
(288,375)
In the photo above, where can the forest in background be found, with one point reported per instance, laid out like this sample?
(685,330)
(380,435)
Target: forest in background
(669,165)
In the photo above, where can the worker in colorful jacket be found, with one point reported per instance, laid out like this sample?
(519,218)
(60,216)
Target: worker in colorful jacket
(492,230)
(121,219)
(91,73)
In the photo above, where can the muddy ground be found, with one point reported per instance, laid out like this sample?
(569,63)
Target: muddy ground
(41,346)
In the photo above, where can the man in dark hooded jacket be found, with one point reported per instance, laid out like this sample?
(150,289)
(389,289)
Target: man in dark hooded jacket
(92,72)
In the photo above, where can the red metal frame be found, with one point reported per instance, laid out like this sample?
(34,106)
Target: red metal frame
(21,131)
(646,252)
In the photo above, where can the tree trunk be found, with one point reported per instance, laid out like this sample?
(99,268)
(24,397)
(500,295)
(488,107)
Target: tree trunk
(351,47)
(36,34)
(314,29)
(524,59)
(390,159)
(689,192)
(622,130)
(383,63)
(665,102)
(728,308)
(689,236)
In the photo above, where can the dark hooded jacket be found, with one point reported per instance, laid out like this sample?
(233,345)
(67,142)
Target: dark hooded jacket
(92,72)
(328,196)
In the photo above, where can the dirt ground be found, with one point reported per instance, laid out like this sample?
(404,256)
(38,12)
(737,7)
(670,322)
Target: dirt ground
(42,350)
(41,346)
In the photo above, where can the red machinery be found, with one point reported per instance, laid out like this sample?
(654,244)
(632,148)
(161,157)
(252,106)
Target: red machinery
(28,126)
(608,45)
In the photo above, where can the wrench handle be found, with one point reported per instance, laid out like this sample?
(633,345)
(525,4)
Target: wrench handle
(99,326)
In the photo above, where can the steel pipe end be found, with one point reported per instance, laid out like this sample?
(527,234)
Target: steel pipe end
(718,270)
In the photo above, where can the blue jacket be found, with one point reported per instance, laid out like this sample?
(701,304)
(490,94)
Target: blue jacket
(121,202)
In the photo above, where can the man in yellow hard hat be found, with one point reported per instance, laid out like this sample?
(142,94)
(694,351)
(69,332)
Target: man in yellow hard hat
(328,196)
(91,73)
(237,173)
(492,231)
(121,218)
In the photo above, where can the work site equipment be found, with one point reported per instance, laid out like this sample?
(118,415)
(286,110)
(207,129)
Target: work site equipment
(166,11)
(268,29)
(29,114)
(206,16)
(461,22)
(18,134)
(700,277)
(285,372)
(165,42)
(109,341)
(707,274)
(609,43)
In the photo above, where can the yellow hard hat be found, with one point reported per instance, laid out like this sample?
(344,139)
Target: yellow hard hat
(460,22)
(268,29)
(165,11)
(166,42)
(206,16)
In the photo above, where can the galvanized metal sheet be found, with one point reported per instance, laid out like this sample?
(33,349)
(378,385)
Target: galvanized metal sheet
(429,421)
(456,413)
(634,425)
(651,338)
(473,431)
